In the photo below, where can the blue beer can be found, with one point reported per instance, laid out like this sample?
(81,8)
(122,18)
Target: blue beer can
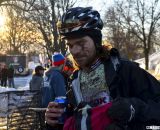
(62,101)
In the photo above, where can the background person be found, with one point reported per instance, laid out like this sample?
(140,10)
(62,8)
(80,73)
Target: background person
(11,76)
(68,69)
(58,77)
(37,81)
(4,75)
(0,73)
(55,84)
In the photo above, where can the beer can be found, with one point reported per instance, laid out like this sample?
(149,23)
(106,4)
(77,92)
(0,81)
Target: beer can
(62,101)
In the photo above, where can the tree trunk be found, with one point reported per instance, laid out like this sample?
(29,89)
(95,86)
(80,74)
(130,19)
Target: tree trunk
(54,26)
(146,53)
(62,46)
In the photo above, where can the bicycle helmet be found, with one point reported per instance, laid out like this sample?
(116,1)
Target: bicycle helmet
(79,19)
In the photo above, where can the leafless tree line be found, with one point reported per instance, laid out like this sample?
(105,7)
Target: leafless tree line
(134,26)
(33,24)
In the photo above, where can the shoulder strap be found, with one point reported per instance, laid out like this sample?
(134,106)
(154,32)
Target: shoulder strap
(116,62)
(115,58)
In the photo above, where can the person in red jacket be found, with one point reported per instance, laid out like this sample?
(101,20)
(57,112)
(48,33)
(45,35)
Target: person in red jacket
(128,95)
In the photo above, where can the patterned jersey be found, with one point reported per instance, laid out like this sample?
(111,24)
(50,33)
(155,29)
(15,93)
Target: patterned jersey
(93,86)
(90,88)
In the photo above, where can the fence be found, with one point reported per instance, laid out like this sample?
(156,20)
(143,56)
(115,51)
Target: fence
(15,112)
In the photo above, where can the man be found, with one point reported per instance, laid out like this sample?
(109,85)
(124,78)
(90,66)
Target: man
(57,80)
(37,82)
(4,76)
(0,73)
(55,84)
(11,76)
(134,94)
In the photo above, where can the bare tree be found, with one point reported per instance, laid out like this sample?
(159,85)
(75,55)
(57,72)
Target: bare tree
(46,21)
(20,33)
(44,15)
(141,18)
(24,5)
(120,37)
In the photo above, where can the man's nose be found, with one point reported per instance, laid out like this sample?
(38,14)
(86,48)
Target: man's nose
(76,50)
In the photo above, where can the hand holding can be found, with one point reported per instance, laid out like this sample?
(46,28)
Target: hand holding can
(62,102)
(52,113)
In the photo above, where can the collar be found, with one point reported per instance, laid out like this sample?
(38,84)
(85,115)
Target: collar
(96,64)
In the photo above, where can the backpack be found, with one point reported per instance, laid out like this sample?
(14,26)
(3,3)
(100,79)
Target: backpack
(88,118)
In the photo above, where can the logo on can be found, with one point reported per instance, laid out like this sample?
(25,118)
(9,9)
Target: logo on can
(62,101)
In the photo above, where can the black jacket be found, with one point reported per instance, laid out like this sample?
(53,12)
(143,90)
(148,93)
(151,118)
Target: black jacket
(130,81)
(10,73)
(4,74)
(139,87)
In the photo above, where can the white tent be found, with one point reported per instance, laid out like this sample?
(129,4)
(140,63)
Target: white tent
(154,60)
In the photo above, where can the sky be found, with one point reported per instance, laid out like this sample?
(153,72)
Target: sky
(100,5)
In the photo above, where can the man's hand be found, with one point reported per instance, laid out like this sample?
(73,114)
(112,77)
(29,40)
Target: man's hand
(52,114)
(121,110)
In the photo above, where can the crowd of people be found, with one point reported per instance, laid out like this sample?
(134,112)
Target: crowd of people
(53,81)
(7,76)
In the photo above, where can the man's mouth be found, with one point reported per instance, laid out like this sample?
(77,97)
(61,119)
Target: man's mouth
(79,59)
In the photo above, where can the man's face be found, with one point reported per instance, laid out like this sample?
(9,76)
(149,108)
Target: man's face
(83,50)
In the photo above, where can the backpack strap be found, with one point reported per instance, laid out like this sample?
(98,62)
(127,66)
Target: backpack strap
(116,62)
(115,58)
(70,91)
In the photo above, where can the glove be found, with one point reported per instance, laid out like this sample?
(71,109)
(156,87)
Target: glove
(114,126)
(121,110)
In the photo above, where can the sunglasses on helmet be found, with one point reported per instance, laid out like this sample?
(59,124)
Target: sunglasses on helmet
(69,24)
